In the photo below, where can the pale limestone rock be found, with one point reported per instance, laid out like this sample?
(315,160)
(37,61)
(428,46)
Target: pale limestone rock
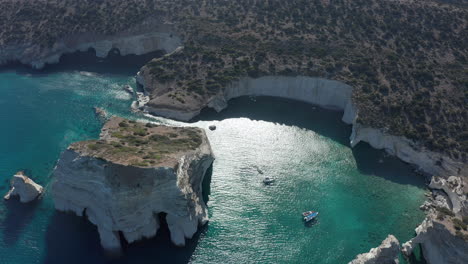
(322,92)
(151,35)
(118,197)
(24,187)
(439,245)
(386,253)
(454,188)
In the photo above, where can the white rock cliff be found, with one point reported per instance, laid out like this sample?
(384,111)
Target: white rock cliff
(148,37)
(386,253)
(325,93)
(24,187)
(118,197)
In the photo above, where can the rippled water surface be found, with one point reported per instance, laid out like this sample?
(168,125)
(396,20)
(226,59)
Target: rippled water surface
(362,195)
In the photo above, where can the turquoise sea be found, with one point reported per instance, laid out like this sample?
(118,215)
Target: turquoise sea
(362,194)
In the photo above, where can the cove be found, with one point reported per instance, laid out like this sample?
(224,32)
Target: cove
(362,194)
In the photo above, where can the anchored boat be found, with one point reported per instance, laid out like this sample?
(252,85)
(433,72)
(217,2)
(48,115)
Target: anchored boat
(268,180)
(311,216)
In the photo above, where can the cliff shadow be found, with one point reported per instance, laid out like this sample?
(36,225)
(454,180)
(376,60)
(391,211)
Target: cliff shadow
(379,163)
(325,122)
(88,63)
(18,216)
(286,112)
(74,240)
(206,184)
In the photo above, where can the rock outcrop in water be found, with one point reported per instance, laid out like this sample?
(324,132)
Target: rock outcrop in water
(386,253)
(24,187)
(123,181)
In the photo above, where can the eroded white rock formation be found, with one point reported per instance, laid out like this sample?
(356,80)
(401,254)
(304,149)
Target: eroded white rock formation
(438,243)
(118,197)
(386,253)
(455,190)
(322,92)
(24,187)
(148,37)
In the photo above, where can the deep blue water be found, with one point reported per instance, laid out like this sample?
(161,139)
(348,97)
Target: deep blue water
(362,194)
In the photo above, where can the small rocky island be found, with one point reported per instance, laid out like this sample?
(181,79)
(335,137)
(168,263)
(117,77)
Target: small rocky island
(134,172)
(24,187)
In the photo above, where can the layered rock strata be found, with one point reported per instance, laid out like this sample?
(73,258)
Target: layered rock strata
(150,36)
(123,181)
(442,235)
(24,187)
(322,92)
(386,253)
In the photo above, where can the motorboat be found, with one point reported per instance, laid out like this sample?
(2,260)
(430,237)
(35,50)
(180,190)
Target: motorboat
(268,180)
(311,217)
(304,214)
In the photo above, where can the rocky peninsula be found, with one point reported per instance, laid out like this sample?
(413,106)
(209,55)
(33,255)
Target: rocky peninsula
(133,173)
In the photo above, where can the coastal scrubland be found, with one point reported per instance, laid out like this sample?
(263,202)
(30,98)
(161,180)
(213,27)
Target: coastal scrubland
(407,60)
(144,145)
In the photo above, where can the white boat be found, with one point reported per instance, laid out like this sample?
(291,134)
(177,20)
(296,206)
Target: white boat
(268,180)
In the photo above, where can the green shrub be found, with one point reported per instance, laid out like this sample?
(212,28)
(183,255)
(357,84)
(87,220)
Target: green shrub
(445,211)
(93,146)
(458,224)
(465,219)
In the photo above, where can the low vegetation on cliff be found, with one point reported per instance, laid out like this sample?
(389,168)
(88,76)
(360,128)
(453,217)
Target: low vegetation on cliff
(133,143)
(407,60)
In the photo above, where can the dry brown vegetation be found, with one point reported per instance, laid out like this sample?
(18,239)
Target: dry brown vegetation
(144,145)
(407,60)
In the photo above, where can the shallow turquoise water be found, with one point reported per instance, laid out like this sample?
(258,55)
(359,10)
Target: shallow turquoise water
(362,195)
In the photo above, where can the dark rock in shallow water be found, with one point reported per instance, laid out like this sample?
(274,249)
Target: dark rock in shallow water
(212,127)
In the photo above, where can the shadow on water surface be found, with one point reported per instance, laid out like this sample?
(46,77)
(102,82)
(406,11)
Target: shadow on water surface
(322,121)
(87,62)
(72,239)
(284,111)
(18,216)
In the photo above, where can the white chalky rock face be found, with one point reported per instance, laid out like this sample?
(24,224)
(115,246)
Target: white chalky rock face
(119,197)
(386,253)
(318,91)
(439,244)
(148,37)
(24,187)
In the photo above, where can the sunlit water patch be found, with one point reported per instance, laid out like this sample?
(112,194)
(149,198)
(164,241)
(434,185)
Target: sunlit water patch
(362,194)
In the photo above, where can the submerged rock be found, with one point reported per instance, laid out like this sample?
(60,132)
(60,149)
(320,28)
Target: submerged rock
(123,181)
(128,89)
(100,113)
(386,253)
(212,127)
(24,187)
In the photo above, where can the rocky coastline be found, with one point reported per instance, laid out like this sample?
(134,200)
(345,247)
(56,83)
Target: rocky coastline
(149,37)
(122,182)
(337,95)
(318,91)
